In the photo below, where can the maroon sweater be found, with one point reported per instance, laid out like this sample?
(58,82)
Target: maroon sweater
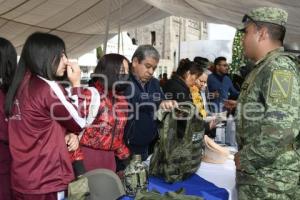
(5,158)
(42,114)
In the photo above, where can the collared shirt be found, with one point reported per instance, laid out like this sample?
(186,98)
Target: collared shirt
(139,80)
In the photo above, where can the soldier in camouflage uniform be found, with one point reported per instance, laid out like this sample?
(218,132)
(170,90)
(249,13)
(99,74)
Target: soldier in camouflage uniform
(268,164)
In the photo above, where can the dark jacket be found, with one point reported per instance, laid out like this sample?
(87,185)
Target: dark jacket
(141,127)
(176,89)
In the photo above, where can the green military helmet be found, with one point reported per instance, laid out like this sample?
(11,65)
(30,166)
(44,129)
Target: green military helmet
(272,15)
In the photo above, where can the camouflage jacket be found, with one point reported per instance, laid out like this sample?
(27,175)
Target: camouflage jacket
(268,123)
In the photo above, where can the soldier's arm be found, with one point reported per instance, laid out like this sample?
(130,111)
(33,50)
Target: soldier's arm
(279,126)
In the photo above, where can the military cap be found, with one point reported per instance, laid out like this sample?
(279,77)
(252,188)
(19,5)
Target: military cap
(265,14)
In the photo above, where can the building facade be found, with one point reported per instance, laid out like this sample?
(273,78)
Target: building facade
(165,35)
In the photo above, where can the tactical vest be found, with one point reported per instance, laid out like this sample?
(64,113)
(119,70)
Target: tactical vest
(177,154)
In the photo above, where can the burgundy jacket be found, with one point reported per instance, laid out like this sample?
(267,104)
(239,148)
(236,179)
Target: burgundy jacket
(42,114)
(5,158)
(3,122)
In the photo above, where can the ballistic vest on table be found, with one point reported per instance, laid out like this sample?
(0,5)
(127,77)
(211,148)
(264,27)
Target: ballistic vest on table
(177,154)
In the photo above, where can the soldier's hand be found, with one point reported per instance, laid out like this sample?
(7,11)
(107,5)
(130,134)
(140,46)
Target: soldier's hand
(168,104)
(237,161)
(230,104)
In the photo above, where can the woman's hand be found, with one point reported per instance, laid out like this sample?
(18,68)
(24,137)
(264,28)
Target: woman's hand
(72,141)
(74,73)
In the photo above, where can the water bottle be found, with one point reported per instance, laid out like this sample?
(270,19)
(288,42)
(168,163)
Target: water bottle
(230,132)
(136,176)
(220,135)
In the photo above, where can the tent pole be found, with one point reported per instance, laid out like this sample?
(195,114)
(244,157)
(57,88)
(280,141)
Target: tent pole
(179,42)
(119,27)
(122,39)
(107,26)
(164,40)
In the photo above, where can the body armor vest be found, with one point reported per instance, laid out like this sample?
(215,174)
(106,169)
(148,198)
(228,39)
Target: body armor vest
(178,152)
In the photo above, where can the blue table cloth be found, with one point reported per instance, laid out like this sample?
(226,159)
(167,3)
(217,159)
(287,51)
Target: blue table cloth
(194,185)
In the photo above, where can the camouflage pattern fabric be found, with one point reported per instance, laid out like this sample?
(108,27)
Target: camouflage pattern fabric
(177,154)
(79,189)
(268,15)
(154,195)
(267,129)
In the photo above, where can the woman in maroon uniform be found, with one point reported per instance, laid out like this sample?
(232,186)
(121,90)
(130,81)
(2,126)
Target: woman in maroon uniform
(8,65)
(103,140)
(40,114)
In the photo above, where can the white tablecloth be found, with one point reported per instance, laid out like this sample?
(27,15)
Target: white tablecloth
(222,175)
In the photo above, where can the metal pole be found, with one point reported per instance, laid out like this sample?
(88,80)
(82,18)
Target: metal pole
(164,40)
(179,42)
(119,27)
(122,39)
(107,26)
(201,30)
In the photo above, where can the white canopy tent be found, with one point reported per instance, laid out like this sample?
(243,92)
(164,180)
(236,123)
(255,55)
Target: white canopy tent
(82,23)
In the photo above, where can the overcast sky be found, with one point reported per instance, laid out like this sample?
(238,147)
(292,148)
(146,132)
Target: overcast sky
(220,32)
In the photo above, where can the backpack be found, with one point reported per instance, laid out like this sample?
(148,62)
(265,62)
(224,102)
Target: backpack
(177,154)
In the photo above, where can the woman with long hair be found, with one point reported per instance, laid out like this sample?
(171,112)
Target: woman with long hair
(8,65)
(40,114)
(103,140)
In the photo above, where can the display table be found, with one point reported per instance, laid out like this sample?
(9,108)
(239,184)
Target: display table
(211,181)
(194,185)
(222,175)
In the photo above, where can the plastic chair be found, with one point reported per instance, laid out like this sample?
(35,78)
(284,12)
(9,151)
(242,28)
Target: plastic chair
(104,184)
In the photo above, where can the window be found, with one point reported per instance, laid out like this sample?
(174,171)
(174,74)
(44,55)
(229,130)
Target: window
(160,70)
(153,38)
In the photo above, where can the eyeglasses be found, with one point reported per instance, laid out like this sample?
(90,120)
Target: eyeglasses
(247,19)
